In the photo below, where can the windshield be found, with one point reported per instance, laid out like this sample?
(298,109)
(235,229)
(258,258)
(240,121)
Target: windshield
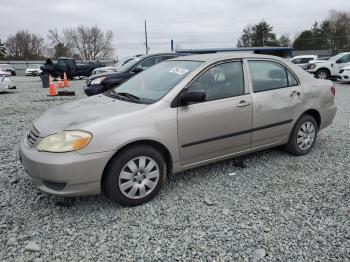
(336,57)
(153,83)
(124,61)
(128,64)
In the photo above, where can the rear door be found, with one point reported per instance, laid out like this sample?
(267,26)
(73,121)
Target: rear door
(277,99)
(220,125)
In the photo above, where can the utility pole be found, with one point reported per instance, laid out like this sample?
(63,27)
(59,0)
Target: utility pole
(146,38)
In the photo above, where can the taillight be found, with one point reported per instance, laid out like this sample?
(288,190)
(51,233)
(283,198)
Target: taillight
(333,90)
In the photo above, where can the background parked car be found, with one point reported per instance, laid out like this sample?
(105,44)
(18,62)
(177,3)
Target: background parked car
(7,68)
(329,68)
(72,69)
(33,70)
(116,67)
(100,83)
(303,60)
(6,82)
(344,74)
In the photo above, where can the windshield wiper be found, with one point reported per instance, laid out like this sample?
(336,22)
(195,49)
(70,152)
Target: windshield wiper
(128,95)
(124,96)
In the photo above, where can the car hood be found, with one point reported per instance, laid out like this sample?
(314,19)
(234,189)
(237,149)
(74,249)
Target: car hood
(346,67)
(318,61)
(81,113)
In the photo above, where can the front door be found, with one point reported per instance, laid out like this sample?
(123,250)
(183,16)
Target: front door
(277,99)
(342,62)
(221,125)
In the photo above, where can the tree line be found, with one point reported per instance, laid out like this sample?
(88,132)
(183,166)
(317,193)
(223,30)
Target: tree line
(91,43)
(333,33)
(81,42)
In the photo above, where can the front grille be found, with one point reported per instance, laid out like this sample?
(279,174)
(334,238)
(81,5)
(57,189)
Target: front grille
(33,135)
(54,185)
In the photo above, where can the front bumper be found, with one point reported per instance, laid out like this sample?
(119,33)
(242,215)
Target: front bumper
(345,76)
(64,174)
(92,90)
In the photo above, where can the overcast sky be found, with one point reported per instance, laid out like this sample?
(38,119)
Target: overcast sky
(191,23)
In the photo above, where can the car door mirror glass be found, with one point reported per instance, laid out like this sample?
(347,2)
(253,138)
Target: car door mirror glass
(195,96)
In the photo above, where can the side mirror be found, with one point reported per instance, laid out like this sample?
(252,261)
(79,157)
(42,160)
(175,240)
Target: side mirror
(192,97)
(137,70)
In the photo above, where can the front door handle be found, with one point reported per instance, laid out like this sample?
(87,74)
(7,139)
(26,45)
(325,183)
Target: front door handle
(243,103)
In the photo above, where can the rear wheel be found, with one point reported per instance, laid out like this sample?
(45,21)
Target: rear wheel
(322,74)
(135,175)
(303,136)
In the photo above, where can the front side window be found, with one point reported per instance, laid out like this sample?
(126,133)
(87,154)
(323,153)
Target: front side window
(221,81)
(155,82)
(267,75)
(149,62)
(344,59)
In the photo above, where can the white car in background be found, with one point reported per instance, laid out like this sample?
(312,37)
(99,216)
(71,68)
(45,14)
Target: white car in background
(303,60)
(116,67)
(33,70)
(344,74)
(6,82)
(323,69)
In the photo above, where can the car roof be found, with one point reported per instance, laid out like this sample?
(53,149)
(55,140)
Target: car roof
(301,56)
(224,55)
(158,54)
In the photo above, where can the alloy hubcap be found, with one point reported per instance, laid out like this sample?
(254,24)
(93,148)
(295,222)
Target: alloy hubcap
(306,136)
(322,75)
(139,177)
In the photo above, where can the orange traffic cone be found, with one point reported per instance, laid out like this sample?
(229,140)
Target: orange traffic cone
(52,90)
(65,80)
(60,84)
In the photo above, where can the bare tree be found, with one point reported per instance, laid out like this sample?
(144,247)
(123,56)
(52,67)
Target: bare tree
(24,45)
(88,43)
(2,49)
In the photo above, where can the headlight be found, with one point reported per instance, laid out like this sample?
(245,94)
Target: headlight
(312,66)
(65,142)
(97,81)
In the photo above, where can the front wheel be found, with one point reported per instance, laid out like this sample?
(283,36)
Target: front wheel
(135,175)
(303,136)
(322,74)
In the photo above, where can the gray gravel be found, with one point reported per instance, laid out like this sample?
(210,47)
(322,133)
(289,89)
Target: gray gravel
(271,206)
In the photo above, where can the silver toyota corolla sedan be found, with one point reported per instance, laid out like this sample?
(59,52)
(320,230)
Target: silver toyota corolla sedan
(179,114)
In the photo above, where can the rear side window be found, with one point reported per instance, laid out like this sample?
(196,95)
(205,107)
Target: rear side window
(268,75)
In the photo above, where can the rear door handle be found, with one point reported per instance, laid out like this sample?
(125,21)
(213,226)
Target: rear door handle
(295,93)
(243,103)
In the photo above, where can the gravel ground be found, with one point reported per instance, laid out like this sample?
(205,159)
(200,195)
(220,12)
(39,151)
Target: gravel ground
(263,206)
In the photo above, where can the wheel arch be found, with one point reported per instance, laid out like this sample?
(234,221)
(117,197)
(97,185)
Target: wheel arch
(155,144)
(326,69)
(315,114)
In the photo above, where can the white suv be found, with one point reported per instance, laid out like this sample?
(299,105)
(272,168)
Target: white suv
(329,68)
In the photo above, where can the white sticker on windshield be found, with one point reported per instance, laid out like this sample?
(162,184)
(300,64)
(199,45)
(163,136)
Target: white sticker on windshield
(178,70)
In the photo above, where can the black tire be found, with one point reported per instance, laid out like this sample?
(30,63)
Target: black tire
(322,74)
(292,145)
(116,165)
